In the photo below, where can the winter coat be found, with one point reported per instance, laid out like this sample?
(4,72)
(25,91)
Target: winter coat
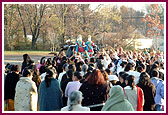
(10,84)
(94,94)
(149,95)
(50,98)
(159,85)
(26,95)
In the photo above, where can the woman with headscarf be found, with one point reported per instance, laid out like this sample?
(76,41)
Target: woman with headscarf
(116,101)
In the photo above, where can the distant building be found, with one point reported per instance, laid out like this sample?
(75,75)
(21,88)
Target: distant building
(142,43)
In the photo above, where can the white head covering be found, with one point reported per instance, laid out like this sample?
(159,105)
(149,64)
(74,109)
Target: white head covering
(113,77)
(80,37)
(89,37)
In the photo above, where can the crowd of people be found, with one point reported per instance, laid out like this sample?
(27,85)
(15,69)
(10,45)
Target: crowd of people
(110,80)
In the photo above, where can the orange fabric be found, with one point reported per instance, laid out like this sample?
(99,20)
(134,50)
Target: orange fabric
(10,105)
(140,99)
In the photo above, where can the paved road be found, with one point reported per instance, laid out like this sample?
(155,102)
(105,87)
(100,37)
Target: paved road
(18,59)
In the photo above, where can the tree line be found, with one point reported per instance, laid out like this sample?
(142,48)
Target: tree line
(59,24)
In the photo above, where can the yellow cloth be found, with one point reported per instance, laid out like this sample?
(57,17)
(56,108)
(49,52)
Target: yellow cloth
(10,105)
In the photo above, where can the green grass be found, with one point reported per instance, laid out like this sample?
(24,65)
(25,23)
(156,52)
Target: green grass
(26,52)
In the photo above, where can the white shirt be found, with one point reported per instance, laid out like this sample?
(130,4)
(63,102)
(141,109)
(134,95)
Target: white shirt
(42,76)
(135,74)
(72,86)
(60,76)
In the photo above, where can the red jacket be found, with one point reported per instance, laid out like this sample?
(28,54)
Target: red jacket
(140,99)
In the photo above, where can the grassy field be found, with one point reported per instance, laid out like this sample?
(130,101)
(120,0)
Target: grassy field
(26,52)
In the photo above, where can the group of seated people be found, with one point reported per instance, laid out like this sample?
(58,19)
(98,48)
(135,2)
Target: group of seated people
(111,80)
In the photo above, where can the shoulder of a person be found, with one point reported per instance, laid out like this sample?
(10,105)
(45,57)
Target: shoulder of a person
(69,83)
(64,108)
(161,82)
(86,108)
(84,84)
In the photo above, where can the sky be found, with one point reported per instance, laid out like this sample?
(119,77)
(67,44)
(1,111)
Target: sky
(135,5)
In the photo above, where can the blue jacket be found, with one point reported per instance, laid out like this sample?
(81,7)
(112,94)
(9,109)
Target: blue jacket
(50,98)
(159,85)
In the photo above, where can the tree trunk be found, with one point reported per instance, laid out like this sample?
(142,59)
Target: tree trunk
(34,45)
(23,24)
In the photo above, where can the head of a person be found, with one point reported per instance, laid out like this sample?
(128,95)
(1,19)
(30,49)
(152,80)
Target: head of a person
(100,66)
(78,66)
(130,81)
(64,58)
(33,68)
(144,79)
(155,73)
(75,98)
(108,71)
(43,61)
(129,67)
(113,79)
(89,37)
(43,69)
(26,57)
(92,60)
(86,61)
(117,93)
(143,67)
(139,69)
(122,77)
(84,67)
(162,65)
(155,66)
(79,38)
(90,69)
(50,74)
(105,74)
(77,76)
(64,67)
(70,74)
(96,78)
(72,67)
(91,65)
(54,62)
(15,68)
(101,57)
(28,73)
(49,62)
(123,64)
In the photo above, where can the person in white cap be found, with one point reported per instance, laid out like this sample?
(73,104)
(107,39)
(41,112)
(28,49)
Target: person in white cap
(89,45)
(80,44)
(113,79)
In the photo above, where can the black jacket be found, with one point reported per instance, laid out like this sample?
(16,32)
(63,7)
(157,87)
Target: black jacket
(10,84)
(149,96)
